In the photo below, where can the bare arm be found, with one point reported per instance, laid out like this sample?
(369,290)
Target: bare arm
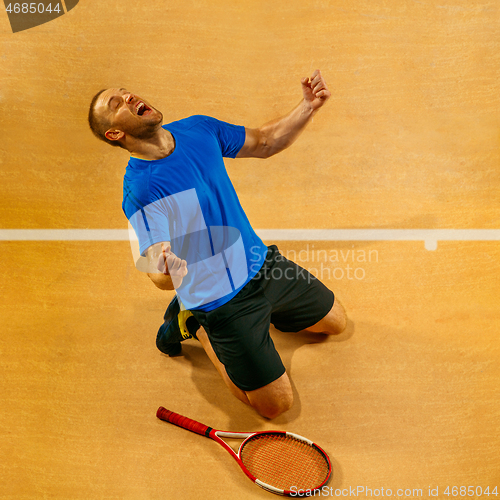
(162,281)
(278,134)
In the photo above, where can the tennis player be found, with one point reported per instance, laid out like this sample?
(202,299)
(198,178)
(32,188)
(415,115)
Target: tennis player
(194,237)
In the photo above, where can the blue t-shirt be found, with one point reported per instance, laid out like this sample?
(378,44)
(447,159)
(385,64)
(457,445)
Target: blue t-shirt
(187,199)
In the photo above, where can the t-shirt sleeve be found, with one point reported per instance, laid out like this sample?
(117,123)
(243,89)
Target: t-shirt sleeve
(150,225)
(231,137)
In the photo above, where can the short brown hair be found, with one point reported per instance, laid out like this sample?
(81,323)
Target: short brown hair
(98,125)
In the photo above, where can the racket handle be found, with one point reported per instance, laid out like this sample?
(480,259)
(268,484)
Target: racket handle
(181,421)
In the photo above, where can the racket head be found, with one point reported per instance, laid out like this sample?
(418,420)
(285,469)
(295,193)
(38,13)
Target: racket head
(284,463)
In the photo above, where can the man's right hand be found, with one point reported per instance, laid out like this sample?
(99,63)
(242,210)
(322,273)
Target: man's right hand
(171,265)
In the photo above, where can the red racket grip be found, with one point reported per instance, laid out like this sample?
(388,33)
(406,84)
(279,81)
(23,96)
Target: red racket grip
(184,422)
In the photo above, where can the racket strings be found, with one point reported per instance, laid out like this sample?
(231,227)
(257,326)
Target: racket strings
(283,461)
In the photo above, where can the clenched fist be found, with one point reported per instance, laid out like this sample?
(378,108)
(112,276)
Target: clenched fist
(169,264)
(315,91)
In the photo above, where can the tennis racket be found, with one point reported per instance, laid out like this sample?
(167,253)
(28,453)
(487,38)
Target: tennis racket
(278,461)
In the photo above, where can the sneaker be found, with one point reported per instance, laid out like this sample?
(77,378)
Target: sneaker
(178,326)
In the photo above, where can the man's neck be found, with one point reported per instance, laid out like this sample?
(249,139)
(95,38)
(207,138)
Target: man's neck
(158,147)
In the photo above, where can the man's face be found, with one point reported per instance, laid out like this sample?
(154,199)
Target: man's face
(127,113)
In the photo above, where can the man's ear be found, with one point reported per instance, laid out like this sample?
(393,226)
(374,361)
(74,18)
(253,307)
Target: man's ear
(114,135)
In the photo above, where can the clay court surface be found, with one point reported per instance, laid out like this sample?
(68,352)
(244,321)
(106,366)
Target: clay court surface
(408,397)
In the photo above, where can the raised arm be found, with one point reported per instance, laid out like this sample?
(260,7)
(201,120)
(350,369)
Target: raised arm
(278,134)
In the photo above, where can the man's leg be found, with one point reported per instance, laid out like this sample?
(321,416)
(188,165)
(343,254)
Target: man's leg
(273,399)
(333,323)
(269,401)
(205,342)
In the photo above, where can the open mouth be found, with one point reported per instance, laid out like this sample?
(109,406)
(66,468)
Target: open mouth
(141,108)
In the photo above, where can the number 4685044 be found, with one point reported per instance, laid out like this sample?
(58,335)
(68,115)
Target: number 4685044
(469,491)
(32,8)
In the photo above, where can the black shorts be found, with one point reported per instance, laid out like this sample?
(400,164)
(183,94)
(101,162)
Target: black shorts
(282,293)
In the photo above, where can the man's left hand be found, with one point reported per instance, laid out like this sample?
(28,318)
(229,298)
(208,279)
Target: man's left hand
(315,91)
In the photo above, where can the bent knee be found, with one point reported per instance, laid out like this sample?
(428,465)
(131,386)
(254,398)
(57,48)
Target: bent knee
(272,409)
(273,399)
(333,323)
(337,319)
(342,321)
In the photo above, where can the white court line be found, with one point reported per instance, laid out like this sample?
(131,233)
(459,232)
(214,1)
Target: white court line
(430,237)
(64,235)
